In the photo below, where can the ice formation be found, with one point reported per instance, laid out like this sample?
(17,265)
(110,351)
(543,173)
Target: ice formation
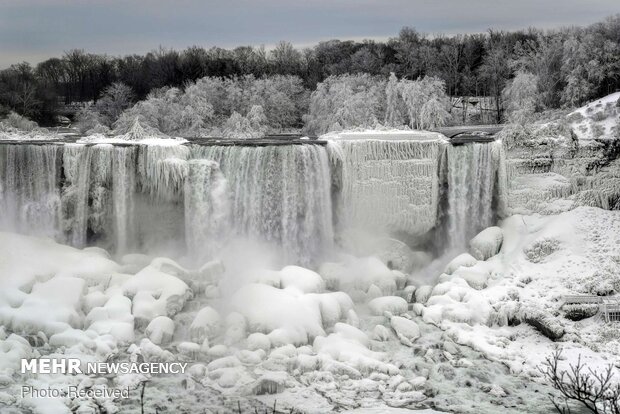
(388,185)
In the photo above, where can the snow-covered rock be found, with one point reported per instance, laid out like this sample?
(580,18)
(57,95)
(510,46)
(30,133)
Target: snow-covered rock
(156,293)
(267,308)
(160,330)
(258,340)
(393,304)
(406,330)
(303,279)
(206,325)
(487,243)
(462,260)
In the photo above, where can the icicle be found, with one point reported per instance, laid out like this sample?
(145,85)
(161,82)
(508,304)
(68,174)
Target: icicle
(163,170)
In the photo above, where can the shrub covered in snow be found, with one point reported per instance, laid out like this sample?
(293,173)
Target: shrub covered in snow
(540,249)
(580,311)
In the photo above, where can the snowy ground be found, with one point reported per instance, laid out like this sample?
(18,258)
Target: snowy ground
(342,338)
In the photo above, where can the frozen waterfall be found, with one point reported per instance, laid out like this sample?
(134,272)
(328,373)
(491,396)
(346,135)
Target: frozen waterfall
(474,196)
(193,199)
(29,189)
(278,194)
(388,186)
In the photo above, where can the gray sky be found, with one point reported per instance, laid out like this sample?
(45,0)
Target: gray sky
(33,30)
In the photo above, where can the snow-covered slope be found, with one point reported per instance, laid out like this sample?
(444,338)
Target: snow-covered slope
(597,119)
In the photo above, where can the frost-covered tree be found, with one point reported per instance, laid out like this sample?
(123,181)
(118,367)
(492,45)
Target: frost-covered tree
(393,103)
(346,101)
(115,99)
(257,120)
(87,118)
(237,126)
(521,97)
(161,110)
(22,123)
(429,91)
(433,114)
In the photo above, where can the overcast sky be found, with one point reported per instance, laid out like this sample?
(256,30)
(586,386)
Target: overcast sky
(33,30)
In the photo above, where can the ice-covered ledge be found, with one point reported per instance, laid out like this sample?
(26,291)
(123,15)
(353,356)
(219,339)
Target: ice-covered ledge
(387,135)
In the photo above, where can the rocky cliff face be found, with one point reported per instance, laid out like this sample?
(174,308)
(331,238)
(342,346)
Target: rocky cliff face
(551,170)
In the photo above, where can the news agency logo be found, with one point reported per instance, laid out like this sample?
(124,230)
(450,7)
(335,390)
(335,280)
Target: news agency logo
(75,366)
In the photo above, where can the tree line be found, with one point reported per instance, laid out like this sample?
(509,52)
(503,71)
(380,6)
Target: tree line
(568,66)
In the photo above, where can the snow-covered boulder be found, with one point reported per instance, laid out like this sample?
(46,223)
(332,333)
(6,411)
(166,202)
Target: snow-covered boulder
(422,293)
(359,274)
(257,341)
(393,304)
(406,330)
(476,276)
(267,308)
(190,350)
(487,243)
(134,262)
(301,278)
(169,266)
(155,293)
(113,318)
(206,324)
(12,350)
(160,330)
(352,332)
(211,271)
(51,306)
(462,260)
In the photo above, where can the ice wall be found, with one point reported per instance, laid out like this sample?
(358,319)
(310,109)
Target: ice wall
(549,179)
(386,185)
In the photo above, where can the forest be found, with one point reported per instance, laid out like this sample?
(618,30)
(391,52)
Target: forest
(411,80)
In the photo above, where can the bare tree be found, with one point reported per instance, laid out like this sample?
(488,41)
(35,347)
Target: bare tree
(596,391)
